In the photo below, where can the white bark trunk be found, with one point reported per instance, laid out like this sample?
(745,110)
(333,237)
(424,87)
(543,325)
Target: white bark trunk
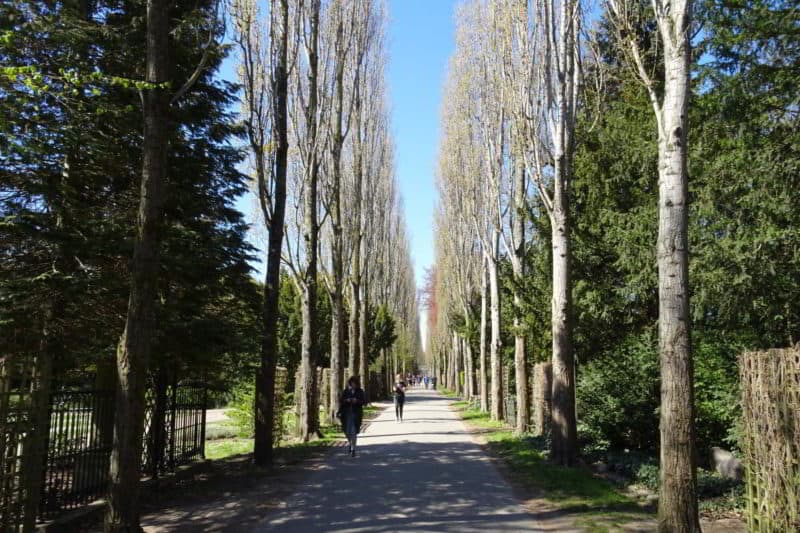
(678,495)
(496,363)
(483,380)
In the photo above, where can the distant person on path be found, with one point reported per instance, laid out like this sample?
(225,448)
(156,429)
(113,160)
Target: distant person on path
(426,382)
(399,398)
(351,411)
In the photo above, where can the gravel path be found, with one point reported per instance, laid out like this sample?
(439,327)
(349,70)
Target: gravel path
(424,474)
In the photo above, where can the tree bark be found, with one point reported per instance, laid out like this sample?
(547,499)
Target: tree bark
(35,443)
(677,509)
(469,373)
(135,345)
(483,378)
(495,346)
(363,354)
(337,297)
(518,265)
(457,364)
(564,431)
(355,265)
(564,447)
(265,377)
(309,410)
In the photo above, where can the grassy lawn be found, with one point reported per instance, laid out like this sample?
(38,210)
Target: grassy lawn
(222,448)
(222,440)
(598,505)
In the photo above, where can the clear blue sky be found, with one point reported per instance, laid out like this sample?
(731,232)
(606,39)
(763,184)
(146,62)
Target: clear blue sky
(421,39)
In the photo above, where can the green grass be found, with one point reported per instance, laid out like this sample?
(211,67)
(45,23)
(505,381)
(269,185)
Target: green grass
(223,448)
(597,504)
(219,446)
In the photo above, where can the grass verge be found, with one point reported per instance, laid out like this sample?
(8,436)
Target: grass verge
(290,451)
(594,503)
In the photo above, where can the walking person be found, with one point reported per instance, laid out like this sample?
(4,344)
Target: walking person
(351,411)
(399,397)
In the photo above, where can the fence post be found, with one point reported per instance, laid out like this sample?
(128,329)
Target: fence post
(203,421)
(34,455)
(173,412)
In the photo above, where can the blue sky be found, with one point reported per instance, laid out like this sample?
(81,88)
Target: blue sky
(421,40)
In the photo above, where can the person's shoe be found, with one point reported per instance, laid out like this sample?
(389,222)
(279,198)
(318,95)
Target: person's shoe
(352,453)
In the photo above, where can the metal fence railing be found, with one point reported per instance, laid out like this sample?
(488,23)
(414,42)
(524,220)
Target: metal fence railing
(78,450)
(80,439)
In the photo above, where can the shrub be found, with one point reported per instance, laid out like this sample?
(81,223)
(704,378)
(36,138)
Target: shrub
(619,393)
(716,386)
(618,396)
(243,412)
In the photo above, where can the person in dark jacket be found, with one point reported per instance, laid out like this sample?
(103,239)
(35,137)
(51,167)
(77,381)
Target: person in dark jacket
(351,411)
(399,397)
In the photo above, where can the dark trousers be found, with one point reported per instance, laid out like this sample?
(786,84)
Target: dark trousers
(398,407)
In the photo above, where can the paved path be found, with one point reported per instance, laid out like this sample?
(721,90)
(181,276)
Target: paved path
(425,474)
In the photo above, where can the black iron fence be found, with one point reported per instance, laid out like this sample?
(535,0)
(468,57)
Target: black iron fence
(15,413)
(80,439)
(78,450)
(174,433)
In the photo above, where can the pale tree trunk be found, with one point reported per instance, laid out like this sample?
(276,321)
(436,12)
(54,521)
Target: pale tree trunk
(135,344)
(469,374)
(448,368)
(265,382)
(457,364)
(520,358)
(564,446)
(355,261)
(363,362)
(677,509)
(309,410)
(483,378)
(495,346)
(355,319)
(337,296)
(564,433)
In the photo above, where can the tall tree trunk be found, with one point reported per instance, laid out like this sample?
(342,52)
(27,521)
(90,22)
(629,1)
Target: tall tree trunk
(309,410)
(483,378)
(35,443)
(135,344)
(495,346)
(677,509)
(457,364)
(337,315)
(265,377)
(469,374)
(355,264)
(363,354)
(564,445)
(564,432)
(354,331)
(518,265)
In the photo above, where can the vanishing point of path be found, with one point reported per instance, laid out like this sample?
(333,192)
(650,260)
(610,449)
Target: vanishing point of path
(424,474)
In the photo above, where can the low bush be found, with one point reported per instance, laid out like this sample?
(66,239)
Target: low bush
(618,397)
(243,412)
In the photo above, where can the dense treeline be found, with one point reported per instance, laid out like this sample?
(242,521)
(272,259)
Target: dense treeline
(123,153)
(742,220)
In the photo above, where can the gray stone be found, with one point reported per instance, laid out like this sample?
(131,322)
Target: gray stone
(726,464)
